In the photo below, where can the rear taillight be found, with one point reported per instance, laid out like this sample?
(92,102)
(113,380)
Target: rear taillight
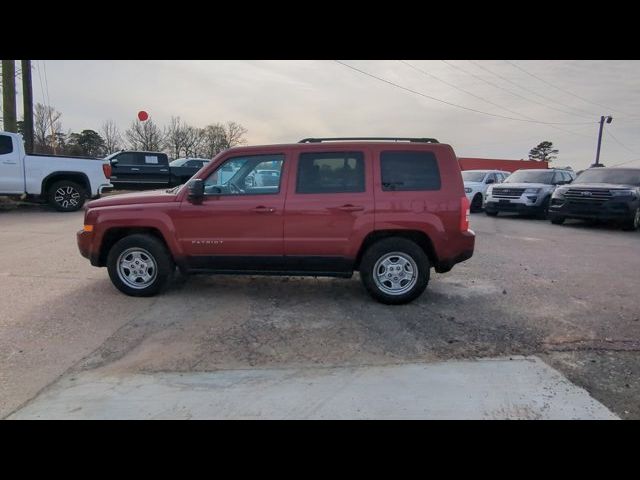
(464,214)
(106,168)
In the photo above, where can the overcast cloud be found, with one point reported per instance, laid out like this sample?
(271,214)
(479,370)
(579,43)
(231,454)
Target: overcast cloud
(284,101)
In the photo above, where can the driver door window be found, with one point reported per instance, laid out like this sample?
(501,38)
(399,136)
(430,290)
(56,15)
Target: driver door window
(251,175)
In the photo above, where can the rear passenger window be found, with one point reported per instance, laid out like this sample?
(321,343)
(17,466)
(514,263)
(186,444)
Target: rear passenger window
(6,145)
(409,171)
(334,172)
(128,158)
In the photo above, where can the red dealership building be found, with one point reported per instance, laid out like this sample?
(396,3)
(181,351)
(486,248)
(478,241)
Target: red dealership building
(467,163)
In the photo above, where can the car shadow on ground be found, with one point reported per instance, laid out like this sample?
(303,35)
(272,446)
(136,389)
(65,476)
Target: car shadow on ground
(572,223)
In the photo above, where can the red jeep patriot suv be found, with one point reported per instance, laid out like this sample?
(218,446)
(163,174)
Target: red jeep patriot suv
(391,208)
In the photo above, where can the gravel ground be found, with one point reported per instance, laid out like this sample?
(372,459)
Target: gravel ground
(568,294)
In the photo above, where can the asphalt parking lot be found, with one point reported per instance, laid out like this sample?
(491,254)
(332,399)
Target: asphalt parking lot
(568,295)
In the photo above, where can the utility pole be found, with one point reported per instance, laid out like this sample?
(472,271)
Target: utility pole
(602,120)
(9,96)
(27,104)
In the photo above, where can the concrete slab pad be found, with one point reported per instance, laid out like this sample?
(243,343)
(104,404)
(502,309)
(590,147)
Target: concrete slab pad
(518,388)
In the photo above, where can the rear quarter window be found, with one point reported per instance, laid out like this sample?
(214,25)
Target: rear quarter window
(6,145)
(332,172)
(409,171)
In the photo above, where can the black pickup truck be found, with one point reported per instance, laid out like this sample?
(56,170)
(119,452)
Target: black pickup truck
(133,170)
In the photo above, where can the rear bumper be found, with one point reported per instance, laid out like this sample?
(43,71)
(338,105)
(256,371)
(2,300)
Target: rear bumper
(105,187)
(610,210)
(465,245)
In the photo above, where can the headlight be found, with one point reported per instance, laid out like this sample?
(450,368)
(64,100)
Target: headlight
(467,190)
(559,192)
(490,190)
(622,193)
(532,190)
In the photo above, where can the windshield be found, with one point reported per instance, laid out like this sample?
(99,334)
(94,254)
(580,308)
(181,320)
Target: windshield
(470,176)
(622,176)
(530,176)
(178,162)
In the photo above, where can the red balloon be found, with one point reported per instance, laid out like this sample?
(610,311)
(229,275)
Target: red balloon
(142,115)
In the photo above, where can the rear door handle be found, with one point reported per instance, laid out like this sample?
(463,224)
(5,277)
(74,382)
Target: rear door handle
(135,169)
(351,208)
(10,163)
(262,209)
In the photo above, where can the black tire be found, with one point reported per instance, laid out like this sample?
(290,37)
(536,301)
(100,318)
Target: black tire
(66,196)
(408,250)
(557,220)
(544,208)
(491,213)
(634,222)
(476,203)
(151,247)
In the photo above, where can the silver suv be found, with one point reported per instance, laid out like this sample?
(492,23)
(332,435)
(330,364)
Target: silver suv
(526,191)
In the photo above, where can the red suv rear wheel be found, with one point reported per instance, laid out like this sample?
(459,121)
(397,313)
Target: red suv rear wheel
(395,270)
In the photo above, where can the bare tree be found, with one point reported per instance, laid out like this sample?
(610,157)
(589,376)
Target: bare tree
(175,137)
(193,141)
(47,128)
(213,140)
(144,136)
(111,136)
(218,137)
(234,134)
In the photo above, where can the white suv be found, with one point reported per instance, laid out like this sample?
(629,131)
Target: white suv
(476,183)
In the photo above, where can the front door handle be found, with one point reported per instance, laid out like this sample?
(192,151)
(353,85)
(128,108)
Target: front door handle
(262,209)
(135,169)
(10,163)
(351,208)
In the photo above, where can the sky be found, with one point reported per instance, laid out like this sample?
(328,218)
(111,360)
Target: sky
(459,102)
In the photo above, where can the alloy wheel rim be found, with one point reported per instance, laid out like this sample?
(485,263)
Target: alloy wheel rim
(395,273)
(67,197)
(137,268)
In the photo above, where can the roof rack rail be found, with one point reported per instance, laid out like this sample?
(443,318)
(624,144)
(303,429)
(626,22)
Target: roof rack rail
(395,139)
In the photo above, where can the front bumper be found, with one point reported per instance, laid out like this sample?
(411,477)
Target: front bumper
(85,240)
(609,210)
(516,205)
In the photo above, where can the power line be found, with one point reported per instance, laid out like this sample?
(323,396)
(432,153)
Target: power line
(620,143)
(453,104)
(628,161)
(505,89)
(561,89)
(588,114)
(482,98)
(463,90)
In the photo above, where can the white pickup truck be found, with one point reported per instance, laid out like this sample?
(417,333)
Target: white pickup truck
(64,182)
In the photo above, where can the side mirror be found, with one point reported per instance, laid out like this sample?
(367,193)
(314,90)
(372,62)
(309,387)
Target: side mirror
(196,190)
(490,180)
(113,161)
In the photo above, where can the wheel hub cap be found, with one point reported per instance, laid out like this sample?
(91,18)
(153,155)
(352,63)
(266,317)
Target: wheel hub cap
(395,273)
(137,268)
(67,197)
